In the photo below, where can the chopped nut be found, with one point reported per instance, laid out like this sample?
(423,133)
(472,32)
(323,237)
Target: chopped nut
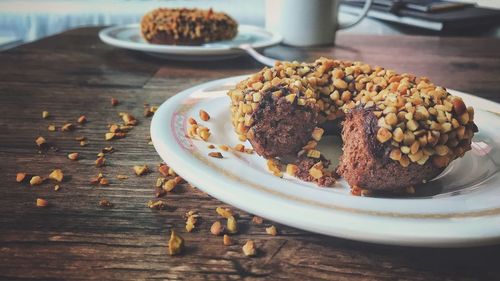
(224,212)
(315,172)
(249,249)
(51,128)
(211,146)
(215,154)
(104,181)
(20,177)
(80,138)
(67,127)
(40,141)
(96,179)
(73,156)
(128,119)
(169,185)
(216,228)
(150,111)
(232,225)
(57,187)
(45,114)
(82,119)
(292,169)
(122,177)
(272,230)
(141,170)
(42,202)
(105,203)
(317,133)
(192,121)
(383,135)
(157,204)
(114,102)
(274,167)
(109,136)
(224,147)
(175,244)
(108,149)
(163,169)
(313,153)
(204,115)
(36,180)
(257,220)
(239,147)
(57,175)
(100,161)
(84,143)
(227,240)
(191,220)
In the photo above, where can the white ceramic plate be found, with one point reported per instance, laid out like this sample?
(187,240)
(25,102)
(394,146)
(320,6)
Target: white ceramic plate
(464,209)
(129,37)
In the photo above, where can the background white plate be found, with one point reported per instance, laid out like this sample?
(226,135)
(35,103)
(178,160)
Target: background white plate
(129,37)
(465,211)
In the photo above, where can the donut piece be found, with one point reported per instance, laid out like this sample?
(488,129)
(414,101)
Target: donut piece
(187,26)
(400,130)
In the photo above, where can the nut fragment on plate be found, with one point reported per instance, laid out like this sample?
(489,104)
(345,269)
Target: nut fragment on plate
(82,119)
(232,225)
(239,147)
(175,244)
(36,180)
(157,204)
(67,127)
(292,169)
(216,228)
(42,203)
(57,175)
(224,147)
(274,167)
(105,203)
(141,169)
(215,155)
(40,141)
(227,240)
(114,102)
(45,114)
(272,230)
(20,177)
(249,249)
(73,156)
(204,115)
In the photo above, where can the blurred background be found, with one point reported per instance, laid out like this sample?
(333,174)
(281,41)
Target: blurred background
(23,21)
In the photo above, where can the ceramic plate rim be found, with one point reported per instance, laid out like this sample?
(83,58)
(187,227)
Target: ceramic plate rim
(106,37)
(360,227)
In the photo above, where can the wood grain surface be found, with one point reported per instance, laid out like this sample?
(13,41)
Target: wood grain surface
(74,74)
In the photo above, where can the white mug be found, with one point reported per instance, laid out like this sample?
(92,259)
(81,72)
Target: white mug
(307,22)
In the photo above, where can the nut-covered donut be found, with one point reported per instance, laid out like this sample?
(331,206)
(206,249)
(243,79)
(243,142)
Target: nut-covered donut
(398,130)
(187,26)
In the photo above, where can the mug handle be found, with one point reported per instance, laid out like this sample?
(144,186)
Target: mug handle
(362,15)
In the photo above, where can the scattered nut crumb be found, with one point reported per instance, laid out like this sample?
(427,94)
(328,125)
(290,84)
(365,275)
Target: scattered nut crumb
(100,154)
(239,147)
(150,111)
(114,102)
(227,240)
(36,180)
(82,119)
(175,244)
(108,149)
(191,220)
(257,220)
(80,138)
(272,230)
(100,161)
(57,175)
(73,156)
(169,185)
(157,204)
(163,169)
(84,143)
(105,203)
(292,169)
(42,203)
(128,119)
(109,136)
(51,128)
(249,249)
(216,228)
(191,121)
(275,167)
(211,146)
(40,141)
(45,114)
(204,115)
(20,177)
(224,147)
(141,170)
(224,212)
(96,179)
(67,127)
(104,181)
(215,155)
(122,177)
(232,225)
(57,187)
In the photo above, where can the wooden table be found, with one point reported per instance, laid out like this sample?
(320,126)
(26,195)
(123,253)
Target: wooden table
(74,73)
